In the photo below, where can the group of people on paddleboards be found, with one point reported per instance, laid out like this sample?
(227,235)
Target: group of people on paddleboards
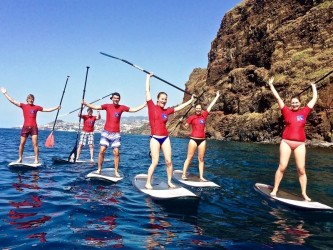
(293,137)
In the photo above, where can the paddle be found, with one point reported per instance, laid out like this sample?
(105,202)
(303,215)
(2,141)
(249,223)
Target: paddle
(50,139)
(89,102)
(187,111)
(315,83)
(73,154)
(147,72)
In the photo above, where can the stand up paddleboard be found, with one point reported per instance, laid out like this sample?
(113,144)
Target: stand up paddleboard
(161,189)
(107,174)
(192,180)
(27,162)
(290,199)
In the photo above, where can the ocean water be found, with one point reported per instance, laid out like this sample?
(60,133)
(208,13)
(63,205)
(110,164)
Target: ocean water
(56,207)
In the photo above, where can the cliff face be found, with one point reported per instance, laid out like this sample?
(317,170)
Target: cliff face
(290,40)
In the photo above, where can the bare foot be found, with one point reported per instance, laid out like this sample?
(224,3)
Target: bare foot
(148,186)
(91,160)
(19,160)
(306,198)
(170,184)
(184,177)
(98,171)
(202,179)
(273,194)
(36,162)
(116,174)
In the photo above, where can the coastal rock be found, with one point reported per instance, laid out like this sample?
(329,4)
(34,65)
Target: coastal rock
(290,40)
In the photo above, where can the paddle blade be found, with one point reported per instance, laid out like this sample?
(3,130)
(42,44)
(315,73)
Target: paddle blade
(73,154)
(50,141)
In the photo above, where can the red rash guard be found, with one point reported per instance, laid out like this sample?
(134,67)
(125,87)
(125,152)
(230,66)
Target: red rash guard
(198,123)
(89,123)
(113,114)
(30,114)
(294,123)
(158,118)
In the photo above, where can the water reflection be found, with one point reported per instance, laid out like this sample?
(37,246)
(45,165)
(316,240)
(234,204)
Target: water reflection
(293,234)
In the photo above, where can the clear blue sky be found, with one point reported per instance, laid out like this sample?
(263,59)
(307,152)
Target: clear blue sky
(43,41)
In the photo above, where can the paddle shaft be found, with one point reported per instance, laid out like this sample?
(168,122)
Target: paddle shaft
(89,102)
(74,151)
(62,96)
(145,71)
(315,83)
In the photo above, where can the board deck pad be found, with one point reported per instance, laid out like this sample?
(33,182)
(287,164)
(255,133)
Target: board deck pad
(107,174)
(160,188)
(26,162)
(192,180)
(290,199)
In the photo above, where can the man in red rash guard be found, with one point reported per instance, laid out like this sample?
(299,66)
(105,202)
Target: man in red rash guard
(293,137)
(198,137)
(158,117)
(88,132)
(30,125)
(110,136)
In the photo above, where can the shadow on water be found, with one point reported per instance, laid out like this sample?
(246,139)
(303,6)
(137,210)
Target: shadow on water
(187,206)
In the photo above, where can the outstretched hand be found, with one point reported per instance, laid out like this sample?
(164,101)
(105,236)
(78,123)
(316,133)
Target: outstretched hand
(3,90)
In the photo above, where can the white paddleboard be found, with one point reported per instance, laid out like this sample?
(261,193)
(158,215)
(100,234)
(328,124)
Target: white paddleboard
(27,162)
(192,180)
(290,199)
(107,174)
(161,189)
(58,160)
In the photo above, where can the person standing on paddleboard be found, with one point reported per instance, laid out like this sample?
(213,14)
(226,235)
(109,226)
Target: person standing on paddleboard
(198,136)
(159,139)
(293,137)
(30,124)
(110,137)
(88,132)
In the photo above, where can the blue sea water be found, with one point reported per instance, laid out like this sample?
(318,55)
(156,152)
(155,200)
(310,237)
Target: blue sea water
(55,207)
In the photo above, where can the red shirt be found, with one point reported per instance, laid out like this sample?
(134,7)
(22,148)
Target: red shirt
(30,114)
(88,123)
(158,118)
(294,123)
(113,114)
(198,123)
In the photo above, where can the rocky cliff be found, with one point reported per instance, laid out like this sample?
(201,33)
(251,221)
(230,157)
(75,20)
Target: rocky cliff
(290,40)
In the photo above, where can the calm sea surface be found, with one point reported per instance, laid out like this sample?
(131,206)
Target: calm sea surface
(55,207)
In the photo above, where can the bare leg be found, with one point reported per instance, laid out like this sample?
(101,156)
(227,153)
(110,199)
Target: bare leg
(155,154)
(201,156)
(192,146)
(91,147)
(285,152)
(79,151)
(21,148)
(101,158)
(116,161)
(34,140)
(166,148)
(300,153)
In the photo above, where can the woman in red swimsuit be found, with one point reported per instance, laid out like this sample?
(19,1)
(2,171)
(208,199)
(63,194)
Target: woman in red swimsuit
(158,117)
(198,136)
(293,137)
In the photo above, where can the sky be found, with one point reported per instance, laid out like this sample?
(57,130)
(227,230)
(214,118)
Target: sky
(44,41)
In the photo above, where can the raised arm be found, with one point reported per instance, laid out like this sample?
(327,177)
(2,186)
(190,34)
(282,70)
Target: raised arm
(275,93)
(51,109)
(183,105)
(138,108)
(314,97)
(148,94)
(214,101)
(4,92)
(96,107)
